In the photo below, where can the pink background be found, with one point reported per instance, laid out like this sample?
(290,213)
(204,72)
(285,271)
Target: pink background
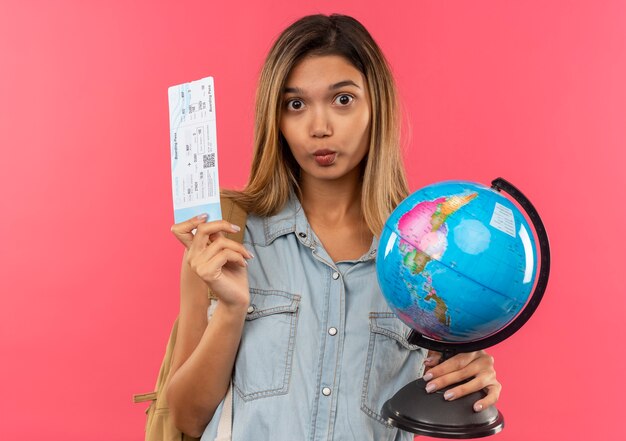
(533,91)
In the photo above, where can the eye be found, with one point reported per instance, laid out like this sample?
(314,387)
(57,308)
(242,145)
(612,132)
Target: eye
(344,99)
(294,104)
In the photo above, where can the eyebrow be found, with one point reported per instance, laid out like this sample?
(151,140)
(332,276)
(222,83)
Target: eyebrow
(335,86)
(341,84)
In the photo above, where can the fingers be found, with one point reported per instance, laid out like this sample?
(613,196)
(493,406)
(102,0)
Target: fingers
(210,231)
(212,268)
(211,255)
(493,393)
(183,230)
(468,373)
(463,388)
(199,255)
(454,369)
(204,230)
(221,250)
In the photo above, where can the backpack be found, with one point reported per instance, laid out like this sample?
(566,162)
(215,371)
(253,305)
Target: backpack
(159,425)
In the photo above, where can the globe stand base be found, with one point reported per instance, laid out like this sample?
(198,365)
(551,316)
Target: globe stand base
(414,410)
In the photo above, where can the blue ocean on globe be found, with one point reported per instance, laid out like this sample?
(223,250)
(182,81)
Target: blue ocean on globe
(457,261)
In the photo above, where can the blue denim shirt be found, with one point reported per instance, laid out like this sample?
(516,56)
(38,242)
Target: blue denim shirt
(320,351)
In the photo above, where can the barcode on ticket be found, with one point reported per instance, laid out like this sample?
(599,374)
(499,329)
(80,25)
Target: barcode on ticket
(209,160)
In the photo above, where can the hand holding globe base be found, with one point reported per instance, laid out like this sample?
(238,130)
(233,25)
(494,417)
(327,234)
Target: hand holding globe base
(429,414)
(412,408)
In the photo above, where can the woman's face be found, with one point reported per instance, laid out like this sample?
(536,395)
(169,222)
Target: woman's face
(326,117)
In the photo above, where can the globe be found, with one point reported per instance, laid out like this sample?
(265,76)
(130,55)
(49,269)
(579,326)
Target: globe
(457,261)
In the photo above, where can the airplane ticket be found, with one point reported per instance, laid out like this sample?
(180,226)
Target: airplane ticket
(193,148)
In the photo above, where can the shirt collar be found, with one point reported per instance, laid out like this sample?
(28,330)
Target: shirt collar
(292,219)
(286,221)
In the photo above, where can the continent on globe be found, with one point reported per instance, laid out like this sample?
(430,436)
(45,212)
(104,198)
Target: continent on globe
(423,230)
(441,309)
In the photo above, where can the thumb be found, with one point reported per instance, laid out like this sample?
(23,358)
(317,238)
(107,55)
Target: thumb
(183,231)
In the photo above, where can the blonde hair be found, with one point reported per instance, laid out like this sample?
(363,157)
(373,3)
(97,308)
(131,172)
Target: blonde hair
(274,172)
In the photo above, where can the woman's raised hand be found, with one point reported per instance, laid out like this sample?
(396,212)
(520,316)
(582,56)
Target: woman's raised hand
(477,366)
(218,261)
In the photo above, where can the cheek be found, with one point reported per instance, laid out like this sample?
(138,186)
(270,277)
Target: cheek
(362,127)
(282,127)
(291,136)
(285,131)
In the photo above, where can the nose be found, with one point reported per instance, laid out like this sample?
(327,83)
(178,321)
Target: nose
(320,124)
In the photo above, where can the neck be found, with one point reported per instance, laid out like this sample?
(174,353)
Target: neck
(332,202)
(333,209)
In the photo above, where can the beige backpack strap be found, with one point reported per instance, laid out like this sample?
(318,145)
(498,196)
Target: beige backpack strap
(233,213)
(142,398)
(159,426)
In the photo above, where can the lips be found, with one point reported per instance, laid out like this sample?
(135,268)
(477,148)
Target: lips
(324,157)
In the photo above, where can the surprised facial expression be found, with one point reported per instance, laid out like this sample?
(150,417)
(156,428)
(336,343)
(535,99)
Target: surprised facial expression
(326,117)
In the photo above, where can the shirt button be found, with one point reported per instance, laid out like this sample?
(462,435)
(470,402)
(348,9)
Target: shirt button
(335,275)
(332,331)
(326,391)
(250,309)
(302,235)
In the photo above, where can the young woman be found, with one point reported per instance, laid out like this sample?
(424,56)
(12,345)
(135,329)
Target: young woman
(301,328)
